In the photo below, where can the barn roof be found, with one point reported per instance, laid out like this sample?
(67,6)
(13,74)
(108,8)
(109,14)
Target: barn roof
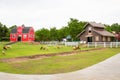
(14,30)
(80,33)
(26,29)
(104,33)
(94,24)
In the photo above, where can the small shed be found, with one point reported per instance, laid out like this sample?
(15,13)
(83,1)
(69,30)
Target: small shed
(95,32)
(22,33)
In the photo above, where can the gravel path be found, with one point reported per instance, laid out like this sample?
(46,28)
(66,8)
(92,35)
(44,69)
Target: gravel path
(106,70)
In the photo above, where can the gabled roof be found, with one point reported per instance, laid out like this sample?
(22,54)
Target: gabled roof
(93,24)
(104,33)
(26,30)
(14,30)
(80,33)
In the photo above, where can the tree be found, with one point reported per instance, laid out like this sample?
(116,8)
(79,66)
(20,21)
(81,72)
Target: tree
(75,27)
(4,32)
(14,26)
(63,32)
(115,27)
(53,34)
(42,35)
(108,28)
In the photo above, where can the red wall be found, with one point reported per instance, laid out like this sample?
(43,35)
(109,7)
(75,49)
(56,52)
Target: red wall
(13,37)
(24,36)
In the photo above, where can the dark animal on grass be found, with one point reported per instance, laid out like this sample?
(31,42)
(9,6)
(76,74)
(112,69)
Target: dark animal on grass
(5,47)
(43,48)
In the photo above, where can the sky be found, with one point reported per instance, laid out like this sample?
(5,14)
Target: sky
(57,13)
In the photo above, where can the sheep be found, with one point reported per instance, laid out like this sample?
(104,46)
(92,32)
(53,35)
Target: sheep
(3,52)
(5,47)
(43,48)
(9,46)
(58,47)
(76,47)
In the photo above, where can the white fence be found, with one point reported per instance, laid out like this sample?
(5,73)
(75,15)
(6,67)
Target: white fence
(72,43)
(104,44)
(61,43)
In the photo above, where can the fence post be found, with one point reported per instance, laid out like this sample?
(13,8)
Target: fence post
(95,44)
(110,44)
(88,44)
(104,44)
(116,44)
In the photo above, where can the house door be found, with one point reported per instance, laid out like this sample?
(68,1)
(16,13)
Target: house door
(19,38)
(89,39)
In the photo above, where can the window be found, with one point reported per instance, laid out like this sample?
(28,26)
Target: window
(90,28)
(13,36)
(89,31)
(30,36)
(97,38)
(25,36)
(109,39)
(103,38)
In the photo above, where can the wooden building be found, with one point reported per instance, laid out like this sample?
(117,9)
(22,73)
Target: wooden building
(95,32)
(22,33)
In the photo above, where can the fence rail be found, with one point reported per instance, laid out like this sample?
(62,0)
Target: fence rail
(104,44)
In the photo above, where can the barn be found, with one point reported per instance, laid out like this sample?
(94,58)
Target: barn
(22,33)
(95,32)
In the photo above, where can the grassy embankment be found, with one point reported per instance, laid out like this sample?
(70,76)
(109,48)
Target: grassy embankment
(56,64)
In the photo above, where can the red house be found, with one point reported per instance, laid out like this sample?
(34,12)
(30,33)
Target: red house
(22,33)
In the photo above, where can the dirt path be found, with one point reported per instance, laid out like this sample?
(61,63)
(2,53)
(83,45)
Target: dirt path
(41,56)
(106,70)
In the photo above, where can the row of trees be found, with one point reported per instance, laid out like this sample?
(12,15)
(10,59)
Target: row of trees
(114,27)
(5,32)
(73,28)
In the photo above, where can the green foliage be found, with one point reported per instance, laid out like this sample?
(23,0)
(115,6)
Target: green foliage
(4,32)
(62,33)
(54,34)
(14,26)
(114,27)
(75,27)
(42,35)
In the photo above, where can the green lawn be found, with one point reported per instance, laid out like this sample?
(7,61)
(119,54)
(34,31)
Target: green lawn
(25,49)
(59,64)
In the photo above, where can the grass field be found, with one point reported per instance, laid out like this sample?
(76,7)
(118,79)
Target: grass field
(25,49)
(56,64)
